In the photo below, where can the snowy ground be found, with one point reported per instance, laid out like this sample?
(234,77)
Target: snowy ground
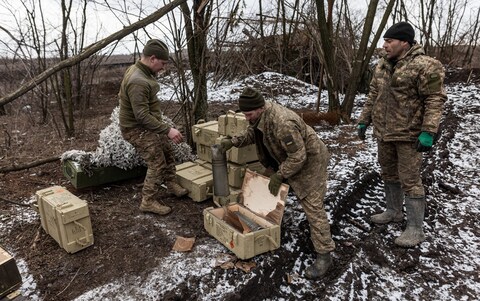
(368,265)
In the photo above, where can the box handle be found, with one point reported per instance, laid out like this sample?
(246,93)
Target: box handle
(274,243)
(69,171)
(64,205)
(87,237)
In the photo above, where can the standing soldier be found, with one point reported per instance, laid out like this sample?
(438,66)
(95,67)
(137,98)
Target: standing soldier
(141,124)
(294,153)
(405,104)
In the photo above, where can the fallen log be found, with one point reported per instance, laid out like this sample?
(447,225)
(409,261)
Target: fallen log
(29,165)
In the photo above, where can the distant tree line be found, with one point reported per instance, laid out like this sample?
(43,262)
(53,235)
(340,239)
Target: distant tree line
(328,43)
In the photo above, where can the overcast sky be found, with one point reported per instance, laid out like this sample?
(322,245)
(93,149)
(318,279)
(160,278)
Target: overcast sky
(102,21)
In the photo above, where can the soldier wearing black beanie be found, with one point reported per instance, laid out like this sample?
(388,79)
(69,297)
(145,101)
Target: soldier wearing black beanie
(401,31)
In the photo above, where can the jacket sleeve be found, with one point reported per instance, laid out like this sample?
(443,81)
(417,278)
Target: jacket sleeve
(432,91)
(292,143)
(139,94)
(247,138)
(366,115)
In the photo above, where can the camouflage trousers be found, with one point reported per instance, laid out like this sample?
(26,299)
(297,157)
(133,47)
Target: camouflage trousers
(314,209)
(157,152)
(400,162)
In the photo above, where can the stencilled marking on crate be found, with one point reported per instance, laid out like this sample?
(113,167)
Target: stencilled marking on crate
(224,234)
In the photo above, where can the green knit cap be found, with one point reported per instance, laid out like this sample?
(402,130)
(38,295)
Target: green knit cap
(157,48)
(250,99)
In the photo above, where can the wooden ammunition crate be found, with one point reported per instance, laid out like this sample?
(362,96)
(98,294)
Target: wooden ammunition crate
(10,278)
(259,206)
(65,217)
(204,152)
(197,177)
(241,155)
(232,124)
(98,176)
(205,133)
(236,172)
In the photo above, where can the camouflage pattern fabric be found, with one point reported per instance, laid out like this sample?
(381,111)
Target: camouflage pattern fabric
(405,98)
(406,171)
(300,157)
(157,152)
(139,105)
(317,217)
(299,154)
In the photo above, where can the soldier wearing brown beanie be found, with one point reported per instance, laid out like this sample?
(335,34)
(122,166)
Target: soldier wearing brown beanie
(293,152)
(141,124)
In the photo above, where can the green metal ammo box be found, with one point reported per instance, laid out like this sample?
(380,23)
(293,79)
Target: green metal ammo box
(100,175)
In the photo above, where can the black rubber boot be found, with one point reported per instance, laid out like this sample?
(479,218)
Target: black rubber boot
(413,234)
(320,267)
(394,199)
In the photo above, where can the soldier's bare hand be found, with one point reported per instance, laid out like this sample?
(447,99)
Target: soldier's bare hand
(175,136)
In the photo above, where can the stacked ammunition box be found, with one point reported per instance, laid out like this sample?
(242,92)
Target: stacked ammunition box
(197,176)
(10,279)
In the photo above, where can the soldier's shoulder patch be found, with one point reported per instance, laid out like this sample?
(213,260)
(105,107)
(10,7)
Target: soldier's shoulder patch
(290,143)
(434,82)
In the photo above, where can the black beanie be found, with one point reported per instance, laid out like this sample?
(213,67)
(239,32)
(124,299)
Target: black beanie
(250,99)
(157,48)
(401,31)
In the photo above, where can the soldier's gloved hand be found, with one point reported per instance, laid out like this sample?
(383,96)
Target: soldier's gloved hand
(274,184)
(226,143)
(361,129)
(424,142)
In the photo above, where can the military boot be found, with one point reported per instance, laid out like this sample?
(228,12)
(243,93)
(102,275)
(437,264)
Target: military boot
(175,189)
(320,267)
(413,234)
(394,201)
(154,207)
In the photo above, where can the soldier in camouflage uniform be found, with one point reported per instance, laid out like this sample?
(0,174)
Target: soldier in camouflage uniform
(141,124)
(295,154)
(405,104)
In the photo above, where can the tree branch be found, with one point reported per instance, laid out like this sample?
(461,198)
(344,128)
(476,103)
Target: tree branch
(89,51)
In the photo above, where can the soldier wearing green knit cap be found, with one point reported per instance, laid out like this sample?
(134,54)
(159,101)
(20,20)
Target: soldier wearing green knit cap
(142,125)
(404,106)
(293,153)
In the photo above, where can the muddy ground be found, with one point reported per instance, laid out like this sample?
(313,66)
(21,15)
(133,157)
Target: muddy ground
(128,242)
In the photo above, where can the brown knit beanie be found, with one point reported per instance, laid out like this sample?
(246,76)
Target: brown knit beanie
(157,48)
(250,99)
(401,31)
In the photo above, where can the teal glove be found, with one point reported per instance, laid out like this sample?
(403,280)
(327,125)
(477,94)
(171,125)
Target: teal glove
(361,129)
(226,143)
(274,184)
(424,142)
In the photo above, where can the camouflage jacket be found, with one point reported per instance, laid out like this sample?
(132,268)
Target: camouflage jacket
(289,146)
(405,98)
(139,105)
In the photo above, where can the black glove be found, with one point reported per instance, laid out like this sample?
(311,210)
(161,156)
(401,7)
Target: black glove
(226,143)
(361,129)
(424,142)
(274,184)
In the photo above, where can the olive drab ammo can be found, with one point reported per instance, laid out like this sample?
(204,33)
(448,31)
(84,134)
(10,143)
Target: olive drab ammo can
(10,279)
(81,178)
(65,217)
(252,227)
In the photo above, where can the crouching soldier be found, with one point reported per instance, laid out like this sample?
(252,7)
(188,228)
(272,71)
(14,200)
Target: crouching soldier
(295,154)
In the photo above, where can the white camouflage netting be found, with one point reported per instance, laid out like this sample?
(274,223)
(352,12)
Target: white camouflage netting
(113,150)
